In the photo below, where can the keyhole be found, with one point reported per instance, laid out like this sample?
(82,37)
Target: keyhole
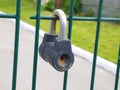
(62,61)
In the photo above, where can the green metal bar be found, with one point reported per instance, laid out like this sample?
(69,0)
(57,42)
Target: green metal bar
(117,71)
(7,16)
(70,19)
(65,80)
(69,36)
(95,19)
(45,17)
(16,45)
(96,44)
(77,18)
(36,45)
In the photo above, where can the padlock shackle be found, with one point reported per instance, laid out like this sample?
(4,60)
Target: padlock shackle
(63,22)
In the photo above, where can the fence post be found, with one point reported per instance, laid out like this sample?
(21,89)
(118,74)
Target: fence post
(69,36)
(36,45)
(117,71)
(16,45)
(96,44)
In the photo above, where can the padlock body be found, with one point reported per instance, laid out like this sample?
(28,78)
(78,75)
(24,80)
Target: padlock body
(56,52)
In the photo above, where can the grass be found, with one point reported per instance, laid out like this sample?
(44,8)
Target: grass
(83,34)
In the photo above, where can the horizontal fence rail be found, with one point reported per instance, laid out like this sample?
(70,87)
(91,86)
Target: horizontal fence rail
(7,16)
(77,18)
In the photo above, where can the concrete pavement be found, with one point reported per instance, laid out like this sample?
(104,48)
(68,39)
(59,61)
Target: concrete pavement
(47,78)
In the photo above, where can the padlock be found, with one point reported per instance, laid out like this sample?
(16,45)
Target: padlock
(56,49)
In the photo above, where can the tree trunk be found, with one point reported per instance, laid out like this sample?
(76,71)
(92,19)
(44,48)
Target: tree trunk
(58,3)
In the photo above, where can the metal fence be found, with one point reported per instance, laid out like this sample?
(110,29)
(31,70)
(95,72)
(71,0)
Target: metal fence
(16,44)
(70,19)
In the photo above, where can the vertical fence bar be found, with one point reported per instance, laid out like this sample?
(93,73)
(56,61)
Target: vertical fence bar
(36,45)
(71,19)
(69,36)
(16,45)
(117,71)
(96,44)
(65,80)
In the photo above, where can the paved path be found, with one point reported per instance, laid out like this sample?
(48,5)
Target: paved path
(47,77)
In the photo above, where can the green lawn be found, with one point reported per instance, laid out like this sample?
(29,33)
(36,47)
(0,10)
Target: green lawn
(83,34)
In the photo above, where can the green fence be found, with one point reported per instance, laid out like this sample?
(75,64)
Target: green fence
(16,43)
(70,19)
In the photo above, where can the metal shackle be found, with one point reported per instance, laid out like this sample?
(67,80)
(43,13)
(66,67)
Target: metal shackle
(56,49)
(63,22)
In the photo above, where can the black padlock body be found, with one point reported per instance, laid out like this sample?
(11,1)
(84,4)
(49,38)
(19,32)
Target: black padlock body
(47,39)
(54,50)
(63,48)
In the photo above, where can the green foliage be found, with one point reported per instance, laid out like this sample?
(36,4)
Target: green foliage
(77,6)
(65,6)
(49,5)
(89,13)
